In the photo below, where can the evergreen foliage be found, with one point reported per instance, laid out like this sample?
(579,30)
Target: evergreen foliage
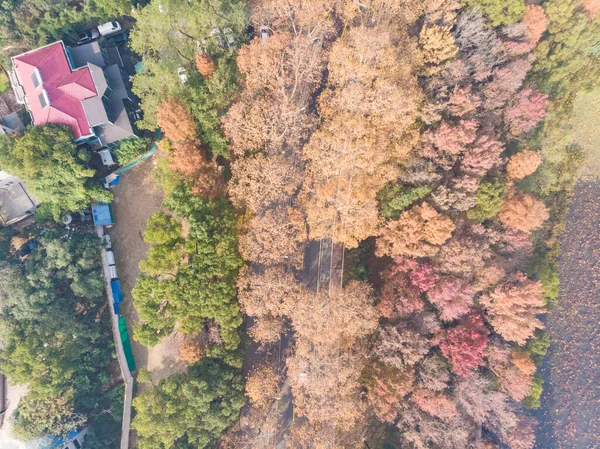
(500,12)
(537,346)
(191,410)
(26,24)
(129,150)
(490,196)
(53,168)
(533,400)
(55,338)
(190,280)
(394,198)
(217,29)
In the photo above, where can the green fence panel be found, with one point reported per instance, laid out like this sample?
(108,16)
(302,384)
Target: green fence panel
(126,344)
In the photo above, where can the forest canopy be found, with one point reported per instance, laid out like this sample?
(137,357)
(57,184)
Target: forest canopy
(57,340)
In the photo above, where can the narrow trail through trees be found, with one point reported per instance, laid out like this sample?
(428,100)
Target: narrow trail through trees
(570,413)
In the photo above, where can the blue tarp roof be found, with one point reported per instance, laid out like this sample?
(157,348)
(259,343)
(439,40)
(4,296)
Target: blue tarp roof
(56,442)
(115,285)
(102,214)
(116,308)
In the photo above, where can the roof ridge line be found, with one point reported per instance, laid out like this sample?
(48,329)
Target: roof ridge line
(62,45)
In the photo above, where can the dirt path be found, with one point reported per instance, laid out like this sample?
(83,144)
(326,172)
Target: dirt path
(137,197)
(14,393)
(570,414)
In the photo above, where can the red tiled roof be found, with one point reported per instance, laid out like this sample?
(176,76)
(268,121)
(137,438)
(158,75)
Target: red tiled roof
(65,88)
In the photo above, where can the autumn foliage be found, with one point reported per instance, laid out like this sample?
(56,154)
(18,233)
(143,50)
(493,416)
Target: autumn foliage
(523,212)
(527,111)
(186,154)
(419,232)
(452,296)
(205,65)
(536,21)
(513,308)
(523,164)
(464,345)
(386,126)
(191,351)
(175,120)
(592,7)
(262,386)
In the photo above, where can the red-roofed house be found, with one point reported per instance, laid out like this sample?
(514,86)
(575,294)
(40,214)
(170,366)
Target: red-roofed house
(74,87)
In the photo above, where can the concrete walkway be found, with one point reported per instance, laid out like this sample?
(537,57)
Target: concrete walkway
(127,377)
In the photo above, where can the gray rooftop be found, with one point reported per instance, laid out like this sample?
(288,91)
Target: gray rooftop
(15,202)
(82,54)
(121,126)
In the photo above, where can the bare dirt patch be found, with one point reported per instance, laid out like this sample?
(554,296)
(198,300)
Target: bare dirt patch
(570,413)
(137,197)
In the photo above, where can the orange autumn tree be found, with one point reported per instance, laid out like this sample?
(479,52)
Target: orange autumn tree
(205,65)
(536,21)
(328,358)
(435,404)
(513,308)
(523,164)
(191,350)
(523,212)
(418,232)
(175,120)
(514,371)
(186,153)
(369,110)
(267,329)
(186,157)
(262,386)
(271,291)
(591,7)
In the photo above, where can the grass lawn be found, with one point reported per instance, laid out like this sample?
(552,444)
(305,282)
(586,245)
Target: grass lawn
(586,131)
(3,83)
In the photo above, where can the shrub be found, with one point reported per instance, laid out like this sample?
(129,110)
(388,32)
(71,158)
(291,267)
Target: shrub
(490,196)
(144,376)
(130,149)
(537,346)
(533,400)
(395,198)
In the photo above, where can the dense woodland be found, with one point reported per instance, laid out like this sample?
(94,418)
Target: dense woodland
(55,169)
(56,337)
(431,137)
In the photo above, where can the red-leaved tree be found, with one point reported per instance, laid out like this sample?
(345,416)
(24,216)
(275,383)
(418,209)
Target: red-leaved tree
(421,275)
(483,156)
(526,112)
(452,296)
(464,345)
(398,296)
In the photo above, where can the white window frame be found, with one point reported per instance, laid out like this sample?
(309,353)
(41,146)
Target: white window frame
(45,94)
(38,77)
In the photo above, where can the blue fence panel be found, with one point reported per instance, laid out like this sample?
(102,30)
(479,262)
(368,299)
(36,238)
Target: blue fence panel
(115,285)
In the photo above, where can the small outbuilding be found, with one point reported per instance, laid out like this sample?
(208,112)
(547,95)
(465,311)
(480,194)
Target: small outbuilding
(103,214)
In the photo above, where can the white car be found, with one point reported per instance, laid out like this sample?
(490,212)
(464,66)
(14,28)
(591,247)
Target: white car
(182,73)
(108,28)
(264,33)
(229,36)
